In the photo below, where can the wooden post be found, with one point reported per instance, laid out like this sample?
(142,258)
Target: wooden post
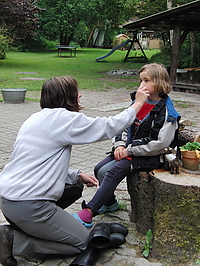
(174,53)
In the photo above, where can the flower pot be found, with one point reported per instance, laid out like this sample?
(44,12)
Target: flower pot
(13,95)
(190,160)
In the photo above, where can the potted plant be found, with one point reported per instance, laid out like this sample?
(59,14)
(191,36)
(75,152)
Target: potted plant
(190,154)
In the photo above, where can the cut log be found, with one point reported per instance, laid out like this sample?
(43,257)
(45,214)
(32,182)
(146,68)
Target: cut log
(183,123)
(169,205)
(187,135)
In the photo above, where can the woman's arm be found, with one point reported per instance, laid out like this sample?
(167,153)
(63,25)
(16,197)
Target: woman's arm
(80,129)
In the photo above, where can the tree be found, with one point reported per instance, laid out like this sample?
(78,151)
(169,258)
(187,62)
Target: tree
(150,7)
(20,18)
(110,14)
(61,19)
(4,44)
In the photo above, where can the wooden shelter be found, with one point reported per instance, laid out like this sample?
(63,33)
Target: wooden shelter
(119,39)
(181,20)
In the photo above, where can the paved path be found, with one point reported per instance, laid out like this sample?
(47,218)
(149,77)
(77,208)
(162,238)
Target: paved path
(85,157)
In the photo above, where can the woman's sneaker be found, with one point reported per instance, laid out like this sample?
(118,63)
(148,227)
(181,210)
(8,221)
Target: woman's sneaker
(111,208)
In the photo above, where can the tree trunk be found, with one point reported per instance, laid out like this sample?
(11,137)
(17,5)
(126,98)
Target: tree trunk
(65,40)
(169,206)
(187,135)
(193,48)
(169,6)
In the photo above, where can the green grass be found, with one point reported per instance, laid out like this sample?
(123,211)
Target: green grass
(83,67)
(182,104)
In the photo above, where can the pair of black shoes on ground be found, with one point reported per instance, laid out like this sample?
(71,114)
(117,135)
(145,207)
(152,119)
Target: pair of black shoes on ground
(6,240)
(102,236)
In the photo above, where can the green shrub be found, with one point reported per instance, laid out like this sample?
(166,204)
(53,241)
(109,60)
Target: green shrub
(185,53)
(185,59)
(164,57)
(37,44)
(4,45)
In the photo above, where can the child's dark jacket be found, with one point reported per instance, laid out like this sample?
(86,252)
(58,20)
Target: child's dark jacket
(156,132)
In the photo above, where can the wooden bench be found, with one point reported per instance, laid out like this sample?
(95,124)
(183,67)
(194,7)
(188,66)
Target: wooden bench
(188,78)
(193,74)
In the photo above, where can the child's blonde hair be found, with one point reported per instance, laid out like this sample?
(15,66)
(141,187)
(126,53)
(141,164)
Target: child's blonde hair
(158,73)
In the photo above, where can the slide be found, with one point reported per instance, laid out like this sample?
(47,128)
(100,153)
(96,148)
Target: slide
(112,51)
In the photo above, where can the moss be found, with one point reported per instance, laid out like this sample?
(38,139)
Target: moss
(176,227)
(171,211)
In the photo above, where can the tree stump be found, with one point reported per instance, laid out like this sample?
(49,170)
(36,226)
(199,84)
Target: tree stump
(169,205)
(187,135)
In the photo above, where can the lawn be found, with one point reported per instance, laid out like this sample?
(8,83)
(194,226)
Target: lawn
(42,66)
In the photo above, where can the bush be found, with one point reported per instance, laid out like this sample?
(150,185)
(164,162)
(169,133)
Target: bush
(164,57)
(4,45)
(36,45)
(185,53)
(185,60)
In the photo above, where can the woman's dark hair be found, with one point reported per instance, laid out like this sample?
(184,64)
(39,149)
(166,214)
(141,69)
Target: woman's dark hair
(60,92)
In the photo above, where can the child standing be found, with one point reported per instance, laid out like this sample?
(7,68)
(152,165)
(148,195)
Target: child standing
(138,147)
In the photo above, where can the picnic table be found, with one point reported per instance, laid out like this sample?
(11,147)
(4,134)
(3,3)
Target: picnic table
(191,74)
(71,49)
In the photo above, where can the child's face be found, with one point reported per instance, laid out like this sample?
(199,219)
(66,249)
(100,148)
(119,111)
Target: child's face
(147,82)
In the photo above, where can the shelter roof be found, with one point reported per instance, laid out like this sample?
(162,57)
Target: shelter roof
(186,16)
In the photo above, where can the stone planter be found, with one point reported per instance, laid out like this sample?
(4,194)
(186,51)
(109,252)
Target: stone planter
(13,95)
(190,160)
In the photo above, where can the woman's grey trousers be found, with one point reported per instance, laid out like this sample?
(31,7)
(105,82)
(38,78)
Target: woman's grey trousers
(42,227)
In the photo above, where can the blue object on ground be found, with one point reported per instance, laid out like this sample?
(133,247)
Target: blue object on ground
(87,225)
(111,208)
(113,50)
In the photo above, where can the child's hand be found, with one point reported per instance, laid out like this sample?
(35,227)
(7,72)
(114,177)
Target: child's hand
(118,153)
(125,153)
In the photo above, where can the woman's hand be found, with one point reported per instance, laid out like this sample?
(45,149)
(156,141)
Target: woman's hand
(141,95)
(88,180)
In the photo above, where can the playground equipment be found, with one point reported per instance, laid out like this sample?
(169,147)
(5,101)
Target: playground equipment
(113,50)
(127,57)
